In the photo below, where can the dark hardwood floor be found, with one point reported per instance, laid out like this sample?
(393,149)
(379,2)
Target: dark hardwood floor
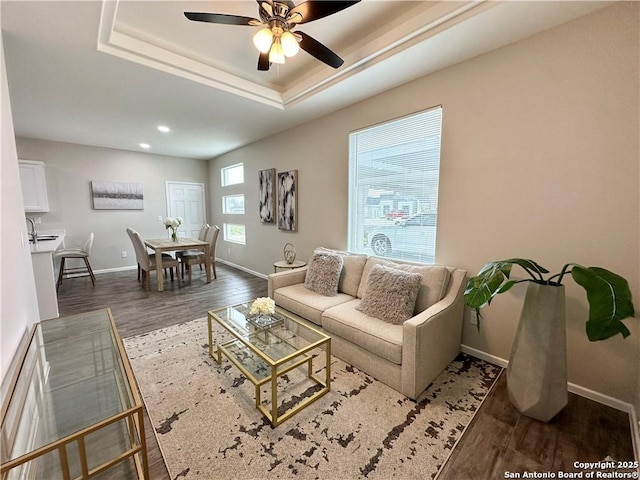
(137,310)
(499,439)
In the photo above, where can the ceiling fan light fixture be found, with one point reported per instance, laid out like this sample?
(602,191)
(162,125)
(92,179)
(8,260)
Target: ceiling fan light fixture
(276,54)
(278,18)
(263,40)
(289,44)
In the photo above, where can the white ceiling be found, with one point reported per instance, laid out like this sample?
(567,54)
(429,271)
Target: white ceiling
(107,73)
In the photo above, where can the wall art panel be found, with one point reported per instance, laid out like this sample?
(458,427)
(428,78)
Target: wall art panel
(117,195)
(288,200)
(267,195)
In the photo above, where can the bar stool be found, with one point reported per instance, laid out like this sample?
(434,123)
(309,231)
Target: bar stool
(76,252)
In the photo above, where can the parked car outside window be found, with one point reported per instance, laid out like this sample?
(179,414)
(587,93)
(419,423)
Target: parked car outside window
(413,235)
(396,214)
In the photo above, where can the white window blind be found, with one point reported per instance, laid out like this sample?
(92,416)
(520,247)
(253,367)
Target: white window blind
(393,187)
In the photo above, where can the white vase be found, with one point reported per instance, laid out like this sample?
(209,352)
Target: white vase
(537,372)
(263,319)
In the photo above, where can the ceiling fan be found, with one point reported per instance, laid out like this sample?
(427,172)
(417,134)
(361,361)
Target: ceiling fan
(277,39)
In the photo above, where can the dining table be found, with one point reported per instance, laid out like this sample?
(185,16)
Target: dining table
(161,245)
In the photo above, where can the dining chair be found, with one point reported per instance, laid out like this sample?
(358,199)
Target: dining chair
(196,257)
(147,262)
(201,236)
(130,232)
(76,252)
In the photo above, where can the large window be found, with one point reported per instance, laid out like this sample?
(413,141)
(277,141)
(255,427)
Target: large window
(393,187)
(233,203)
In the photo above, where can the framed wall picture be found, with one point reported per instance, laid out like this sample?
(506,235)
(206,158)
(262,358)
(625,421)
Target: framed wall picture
(288,200)
(117,195)
(267,195)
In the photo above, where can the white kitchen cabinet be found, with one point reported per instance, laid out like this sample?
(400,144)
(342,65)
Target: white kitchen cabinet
(34,186)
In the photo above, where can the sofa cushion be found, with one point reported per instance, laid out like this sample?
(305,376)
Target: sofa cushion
(300,300)
(435,280)
(323,273)
(351,270)
(390,294)
(379,337)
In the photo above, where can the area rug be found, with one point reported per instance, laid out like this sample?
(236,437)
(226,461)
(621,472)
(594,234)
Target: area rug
(208,427)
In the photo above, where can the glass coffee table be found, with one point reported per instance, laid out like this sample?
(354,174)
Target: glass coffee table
(265,351)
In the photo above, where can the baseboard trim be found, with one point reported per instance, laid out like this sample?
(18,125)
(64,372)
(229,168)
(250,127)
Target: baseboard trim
(219,260)
(240,267)
(115,269)
(501,362)
(573,388)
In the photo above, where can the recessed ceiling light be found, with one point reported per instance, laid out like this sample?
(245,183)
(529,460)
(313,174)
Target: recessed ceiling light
(164,128)
(146,146)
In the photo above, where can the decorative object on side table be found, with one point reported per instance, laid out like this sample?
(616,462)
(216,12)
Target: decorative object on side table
(537,371)
(171,223)
(289,253)
(262,310)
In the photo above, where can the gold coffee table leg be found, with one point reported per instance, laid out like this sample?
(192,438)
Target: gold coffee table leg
(210,335)
(274,395)
(213,353)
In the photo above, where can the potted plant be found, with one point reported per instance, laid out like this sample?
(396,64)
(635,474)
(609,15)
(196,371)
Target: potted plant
(536,376)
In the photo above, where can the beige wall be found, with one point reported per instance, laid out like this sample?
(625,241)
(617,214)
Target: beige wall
(540,159)
(18,302)
(70,169)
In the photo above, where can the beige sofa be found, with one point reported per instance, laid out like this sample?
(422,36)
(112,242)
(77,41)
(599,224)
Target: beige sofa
(406,357)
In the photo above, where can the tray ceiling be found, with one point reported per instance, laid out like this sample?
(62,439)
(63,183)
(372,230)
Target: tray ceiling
(106,73)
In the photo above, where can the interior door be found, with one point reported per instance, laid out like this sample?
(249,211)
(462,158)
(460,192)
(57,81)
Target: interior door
(186,200)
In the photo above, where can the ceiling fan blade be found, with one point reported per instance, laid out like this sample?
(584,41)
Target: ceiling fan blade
(221,18)
(265,7)
(318,50)
(263,62)
(314,9)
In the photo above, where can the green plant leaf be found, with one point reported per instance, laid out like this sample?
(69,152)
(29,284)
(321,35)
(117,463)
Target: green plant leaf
(507,286)
(609,300)
(482,288)
(608,294)
(529,266)
(492,280)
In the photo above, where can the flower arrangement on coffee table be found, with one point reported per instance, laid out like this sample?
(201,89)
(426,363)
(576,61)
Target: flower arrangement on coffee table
(262,308)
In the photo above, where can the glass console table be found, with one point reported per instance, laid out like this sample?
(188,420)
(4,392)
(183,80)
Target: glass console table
(73,411)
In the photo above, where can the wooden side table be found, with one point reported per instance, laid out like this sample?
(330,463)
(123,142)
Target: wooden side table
(284,264)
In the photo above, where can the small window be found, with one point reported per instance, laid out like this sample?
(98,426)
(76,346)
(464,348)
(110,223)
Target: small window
(233,204)
(234,233)
(232,175)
